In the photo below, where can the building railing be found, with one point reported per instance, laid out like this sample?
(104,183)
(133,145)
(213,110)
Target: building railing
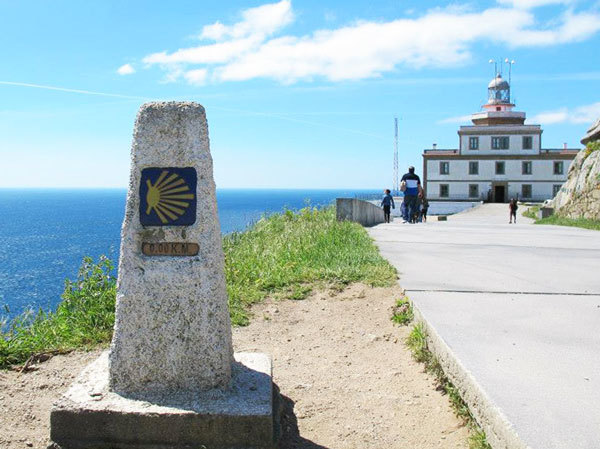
(435,150)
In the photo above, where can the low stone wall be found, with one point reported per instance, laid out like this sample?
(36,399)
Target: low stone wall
(363,212)
(579,196)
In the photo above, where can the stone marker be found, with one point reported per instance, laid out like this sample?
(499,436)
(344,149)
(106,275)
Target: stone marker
(171,379)
(545,212)
(172,328)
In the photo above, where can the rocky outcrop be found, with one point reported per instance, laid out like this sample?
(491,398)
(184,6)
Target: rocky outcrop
(592,134)
(579,196)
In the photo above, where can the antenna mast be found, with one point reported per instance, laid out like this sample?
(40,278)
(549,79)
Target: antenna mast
(396,186)
(510,64)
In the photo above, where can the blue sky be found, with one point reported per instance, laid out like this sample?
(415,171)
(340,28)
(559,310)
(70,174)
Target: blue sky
(299,94)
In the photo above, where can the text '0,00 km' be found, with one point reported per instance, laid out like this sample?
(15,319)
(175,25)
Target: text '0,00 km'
(170,249)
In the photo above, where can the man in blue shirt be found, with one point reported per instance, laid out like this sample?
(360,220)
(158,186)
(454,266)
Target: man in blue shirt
(387,202)
(411,192)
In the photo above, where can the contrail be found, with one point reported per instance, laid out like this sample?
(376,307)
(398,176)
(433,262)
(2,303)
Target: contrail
(75,91)
(132,97)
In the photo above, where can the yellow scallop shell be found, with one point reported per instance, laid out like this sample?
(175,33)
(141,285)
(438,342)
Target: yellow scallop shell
(168,197)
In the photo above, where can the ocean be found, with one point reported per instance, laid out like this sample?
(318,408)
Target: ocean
(45,233)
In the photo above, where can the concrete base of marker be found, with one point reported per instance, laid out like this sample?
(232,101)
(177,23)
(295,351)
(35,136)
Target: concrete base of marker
(89,416)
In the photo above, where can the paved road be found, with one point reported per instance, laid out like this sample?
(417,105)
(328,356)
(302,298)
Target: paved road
(519,308)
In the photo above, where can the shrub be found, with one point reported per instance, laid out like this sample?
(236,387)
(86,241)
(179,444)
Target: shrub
(83,318)
(591,147)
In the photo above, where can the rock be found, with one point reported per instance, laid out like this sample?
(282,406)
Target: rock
(579,196)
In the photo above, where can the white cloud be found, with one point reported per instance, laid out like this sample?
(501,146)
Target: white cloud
(458,119)
(126,69)
(263,20)
(550,117)
(529,4)
(220,52)
(196,77)
(248,49)
(580,115)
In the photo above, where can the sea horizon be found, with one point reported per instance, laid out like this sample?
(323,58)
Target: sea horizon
(47,232)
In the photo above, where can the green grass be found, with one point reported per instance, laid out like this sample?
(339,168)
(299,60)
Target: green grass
(417,343)
(402,312)
(284,256)
(591,147)
(562,221)
(531,212)
(84,318)
(576,222)
(288,255)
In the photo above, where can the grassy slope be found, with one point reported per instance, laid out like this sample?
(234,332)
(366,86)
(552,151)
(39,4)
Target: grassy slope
(284,256)
(562,221)
(288,254)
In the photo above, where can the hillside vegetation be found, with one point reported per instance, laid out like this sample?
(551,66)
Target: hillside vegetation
(558,220)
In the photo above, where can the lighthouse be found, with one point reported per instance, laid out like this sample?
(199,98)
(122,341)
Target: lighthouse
(499,157)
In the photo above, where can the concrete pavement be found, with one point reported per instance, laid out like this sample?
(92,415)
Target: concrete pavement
(514,315)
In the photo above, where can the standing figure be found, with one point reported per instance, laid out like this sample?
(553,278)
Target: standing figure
(424,208)
(387,202)
(513,206)
(413,190)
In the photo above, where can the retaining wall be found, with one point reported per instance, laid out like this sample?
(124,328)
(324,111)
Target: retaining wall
(359,211)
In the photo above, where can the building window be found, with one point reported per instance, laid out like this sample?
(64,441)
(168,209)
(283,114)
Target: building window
(527,142)
(500,143)
(555,189)
(526,168)
(558,167)
(473,143)
(473,191)
(473,168)
(499,168)
(444,168)
(444,191)
(526,190)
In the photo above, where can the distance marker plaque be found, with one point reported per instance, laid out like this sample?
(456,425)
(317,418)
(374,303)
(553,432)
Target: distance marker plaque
(170,249)
(168,196)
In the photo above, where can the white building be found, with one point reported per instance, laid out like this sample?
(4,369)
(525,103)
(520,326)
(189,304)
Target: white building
(499,157)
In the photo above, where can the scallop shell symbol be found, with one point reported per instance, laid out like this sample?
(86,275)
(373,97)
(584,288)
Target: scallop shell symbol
(168,197)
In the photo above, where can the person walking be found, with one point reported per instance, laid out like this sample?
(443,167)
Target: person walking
(413,190)
(513,206)
(388,203)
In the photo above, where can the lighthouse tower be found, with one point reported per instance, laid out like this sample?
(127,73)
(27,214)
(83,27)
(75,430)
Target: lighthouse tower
(499,109)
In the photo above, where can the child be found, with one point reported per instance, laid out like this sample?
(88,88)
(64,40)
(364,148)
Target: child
(387,202)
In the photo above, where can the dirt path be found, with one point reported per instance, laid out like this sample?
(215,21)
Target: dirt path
(346,378)
(26,399)
(342,365)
